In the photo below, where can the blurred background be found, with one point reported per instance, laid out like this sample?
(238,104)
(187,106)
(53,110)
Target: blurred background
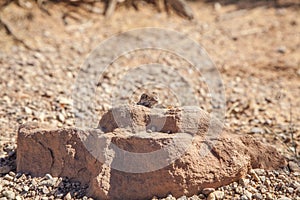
(255,45)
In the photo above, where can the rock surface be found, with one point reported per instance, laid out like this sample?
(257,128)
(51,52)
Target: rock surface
(122,163)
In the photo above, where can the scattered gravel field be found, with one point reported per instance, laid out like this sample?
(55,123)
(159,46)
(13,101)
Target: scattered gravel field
(255,46)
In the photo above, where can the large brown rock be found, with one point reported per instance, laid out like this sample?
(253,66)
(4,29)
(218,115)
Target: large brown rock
(124,161)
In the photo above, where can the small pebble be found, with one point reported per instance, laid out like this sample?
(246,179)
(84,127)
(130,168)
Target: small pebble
(182,198)
(8,177)
(281,49)
(10,195)
(61,117)
(244,182)
(27,110)
(18,197)
(26,188)
(248,194)
(48,176)
(45,190)
(284,198)
(68,196)
(257,130)
(207,191)
(5,169)
(257,196)
(294,167)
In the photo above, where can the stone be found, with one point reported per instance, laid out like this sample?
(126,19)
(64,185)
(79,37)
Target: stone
(257,196)
(269,196)
(281,49)
(5,169)
(61,117)
(8,177)
(194,197)
(284,198)
(207,191)
(244,197)
(216,195)
(248,194)
(45,190)
(26,188)
(290,190)
(182,198)
(259,172)
(10,195)
(122,161)
(48,176)
(27,110)
(211,196)
(239,190)
(219,194)
(254,175)
(257,130)
(18,197)
(244,182)
(294,167)
(68,196)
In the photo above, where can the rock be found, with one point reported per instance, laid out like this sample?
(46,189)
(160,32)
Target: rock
(248,194)
(27,110)
(254,175)
(216,195)
(18,197)
(217,6)
(170,197)
(26,188)
(281,49)
(182,198)
(5,169)
(290,190)
(259,172)
(211,196)
(61,117)
(10,195)
(244,197)
(194,197)
(244,182)
(45,190)
(284,198)
(207,191)
(257,196)
(294,167)
(68,196)
(269,196)
(219,195)
(239,190)
(257,130)
(118,162)
(8,177)
(48,176)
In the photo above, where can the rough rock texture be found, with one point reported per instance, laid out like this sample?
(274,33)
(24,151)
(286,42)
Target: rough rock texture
(131,163)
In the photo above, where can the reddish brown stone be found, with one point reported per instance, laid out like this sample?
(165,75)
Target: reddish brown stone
(96,158)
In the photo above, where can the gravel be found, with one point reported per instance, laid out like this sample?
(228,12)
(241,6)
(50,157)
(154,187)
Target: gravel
(261,75)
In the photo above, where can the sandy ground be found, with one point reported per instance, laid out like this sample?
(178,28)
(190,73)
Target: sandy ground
(255,46)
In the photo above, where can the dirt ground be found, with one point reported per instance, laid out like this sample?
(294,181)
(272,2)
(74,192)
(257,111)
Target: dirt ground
(255,46)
